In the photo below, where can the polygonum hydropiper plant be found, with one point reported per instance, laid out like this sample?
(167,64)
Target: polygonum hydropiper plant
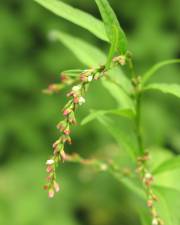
(131,87)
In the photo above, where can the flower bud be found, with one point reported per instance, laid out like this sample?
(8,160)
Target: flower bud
(76,100)
(61,125)
(45,187)
(67,131)
(90,78)
(149,203)
(81,100)
(51,193)
(155,221)
(49,169)
(50,162)
(76,88)
(66,112)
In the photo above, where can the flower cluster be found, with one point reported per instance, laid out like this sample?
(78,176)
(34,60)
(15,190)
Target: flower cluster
(147,179)
(76,99)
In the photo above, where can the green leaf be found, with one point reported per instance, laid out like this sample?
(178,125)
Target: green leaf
(85,52)
(113,48)
(97,113)
(168,204)
(173,89)
(156,67)
(76,16)
(123,100)
(113,29)
(168,165)
(73,73)
(126,142)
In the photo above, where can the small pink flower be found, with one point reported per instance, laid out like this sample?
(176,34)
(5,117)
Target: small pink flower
(45,187)
(49,169)
(76,100)
(51,193)
(67,132)
(66,112)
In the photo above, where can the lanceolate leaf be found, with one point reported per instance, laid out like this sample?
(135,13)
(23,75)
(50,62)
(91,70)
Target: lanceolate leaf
(86,53)
(72,73)
(123,100)
(171,164)
(168,204)
(156,67)
(112,26)
(114,46)
(125,141)
(75,16)
(173,89)
(94,114)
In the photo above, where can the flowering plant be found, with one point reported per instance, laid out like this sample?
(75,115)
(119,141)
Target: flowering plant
(126,89)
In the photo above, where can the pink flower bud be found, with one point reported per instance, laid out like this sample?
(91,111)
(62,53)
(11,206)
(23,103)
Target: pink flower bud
(76,100)
(66,112)
(45,187)
(149,203)
(64,78)
(61,126)
(67,132)
(51,193)
(49,169)
(83,77)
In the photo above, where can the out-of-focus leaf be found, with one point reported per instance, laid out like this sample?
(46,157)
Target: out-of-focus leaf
(156,67)
(125,141)
(75,16)
(168,205)
(96,113)
(171,164)
(173,89)
(73,73)
(85,52)
(113,29)
(121,97)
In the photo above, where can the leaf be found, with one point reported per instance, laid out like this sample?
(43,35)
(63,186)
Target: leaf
(168,165)
(168,204)
(73,73)
(85,52)
(123,100)
(76,16)
(173,89)
(113,48)
(97,113)
(112,26)
(156,67)
(126,142)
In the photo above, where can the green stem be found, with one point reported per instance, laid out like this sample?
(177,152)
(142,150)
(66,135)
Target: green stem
(138,123)
(137,119)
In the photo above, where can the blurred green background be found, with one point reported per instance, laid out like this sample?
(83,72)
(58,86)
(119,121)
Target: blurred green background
(28,63)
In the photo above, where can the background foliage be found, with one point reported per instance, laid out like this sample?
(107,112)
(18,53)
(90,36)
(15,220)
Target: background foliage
(28,63)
